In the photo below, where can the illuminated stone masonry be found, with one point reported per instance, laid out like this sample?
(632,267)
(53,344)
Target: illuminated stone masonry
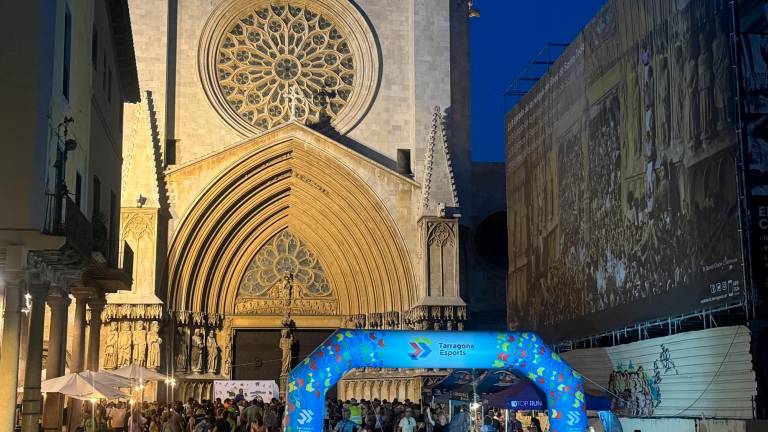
(266,63)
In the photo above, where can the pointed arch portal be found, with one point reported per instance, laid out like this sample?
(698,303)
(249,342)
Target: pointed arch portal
(349,349)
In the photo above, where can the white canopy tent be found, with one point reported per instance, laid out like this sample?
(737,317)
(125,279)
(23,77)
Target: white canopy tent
(87,385)
(138,373)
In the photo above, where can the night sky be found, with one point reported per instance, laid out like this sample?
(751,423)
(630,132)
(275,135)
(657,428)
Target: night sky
(504,40)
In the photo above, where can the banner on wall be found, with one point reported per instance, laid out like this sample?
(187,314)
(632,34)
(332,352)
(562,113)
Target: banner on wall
(702,373)
(621,180)
(250,389)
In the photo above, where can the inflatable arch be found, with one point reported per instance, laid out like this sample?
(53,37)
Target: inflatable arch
(349,349)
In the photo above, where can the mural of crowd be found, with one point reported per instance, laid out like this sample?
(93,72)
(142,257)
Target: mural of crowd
(642,180)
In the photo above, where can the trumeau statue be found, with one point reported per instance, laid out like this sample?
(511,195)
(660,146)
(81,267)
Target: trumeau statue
(286,346)
(182,348)
(139,344)
(110,346)
(213,352)
(153,346)
(124,344)
(198,345)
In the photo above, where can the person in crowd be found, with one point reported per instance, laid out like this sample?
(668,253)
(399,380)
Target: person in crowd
(536,425)
(117,417)
(488,425)
(240,395)
(407,423)
(460,421)
(345,424)
(250,412)
(221,425)
(204,425)
(513,424)
(136,422)
(257,424)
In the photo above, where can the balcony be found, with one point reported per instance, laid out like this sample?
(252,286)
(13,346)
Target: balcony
(64,218)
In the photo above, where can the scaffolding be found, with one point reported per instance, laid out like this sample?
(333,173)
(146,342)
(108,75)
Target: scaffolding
(532,73)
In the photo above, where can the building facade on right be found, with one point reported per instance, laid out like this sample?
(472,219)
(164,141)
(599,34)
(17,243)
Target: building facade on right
(630,217)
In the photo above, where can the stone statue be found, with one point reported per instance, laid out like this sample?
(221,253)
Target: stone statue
(213,352)
(124,344)
(198,345)
(226,359)
(153,345)
(182,348)
(286,346)
(110,346)
(139,344)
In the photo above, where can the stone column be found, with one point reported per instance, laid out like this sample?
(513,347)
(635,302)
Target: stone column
(94,334)
(57,344)
(78,349)
(31,406)
(9,360)
(78,331)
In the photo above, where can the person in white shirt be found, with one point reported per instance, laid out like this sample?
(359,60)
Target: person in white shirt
(407,423)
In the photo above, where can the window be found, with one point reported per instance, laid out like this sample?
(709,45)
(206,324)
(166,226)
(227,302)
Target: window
(67,53)
(78,188)
(96,195)
(109,86)
(95,49)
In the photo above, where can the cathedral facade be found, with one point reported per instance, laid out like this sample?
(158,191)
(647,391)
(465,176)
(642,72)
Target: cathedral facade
(295,167)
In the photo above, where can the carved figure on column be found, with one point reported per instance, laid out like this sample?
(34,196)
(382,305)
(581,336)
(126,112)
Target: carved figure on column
(198,345)
(110,346)
(124,344)
(213,352)
(226,359)
(182,348)
(286,346)
(139,344)
(153,345)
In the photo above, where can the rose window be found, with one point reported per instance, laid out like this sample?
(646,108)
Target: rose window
(271,51)
(285,254)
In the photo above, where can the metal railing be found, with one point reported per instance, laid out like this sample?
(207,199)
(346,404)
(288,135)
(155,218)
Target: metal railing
(64,218)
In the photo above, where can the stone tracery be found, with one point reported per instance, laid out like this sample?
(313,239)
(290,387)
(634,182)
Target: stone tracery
(285,254)
(274,48)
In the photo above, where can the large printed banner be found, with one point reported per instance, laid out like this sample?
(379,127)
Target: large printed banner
(250,389)
(622,181)
(349,349)
(702,373)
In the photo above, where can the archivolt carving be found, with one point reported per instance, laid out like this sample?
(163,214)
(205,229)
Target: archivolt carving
(265,63)
(277,306)
(358,243)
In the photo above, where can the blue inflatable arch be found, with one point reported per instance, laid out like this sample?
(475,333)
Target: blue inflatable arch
(349,349)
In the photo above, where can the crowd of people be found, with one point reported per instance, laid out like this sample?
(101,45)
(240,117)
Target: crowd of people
(229,415)
(241,415)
